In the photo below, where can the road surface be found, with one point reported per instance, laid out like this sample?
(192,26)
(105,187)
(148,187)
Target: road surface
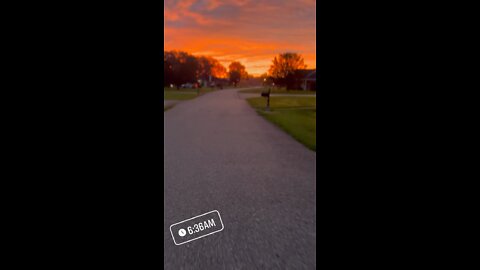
(169,102)
(220,155)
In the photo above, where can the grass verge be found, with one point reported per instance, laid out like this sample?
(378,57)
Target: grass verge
(284,102)
(276,90)
(173,95)
(166,108)
(184,94)
(295,115)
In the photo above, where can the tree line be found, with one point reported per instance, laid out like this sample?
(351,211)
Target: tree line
(181,67)
(286,70)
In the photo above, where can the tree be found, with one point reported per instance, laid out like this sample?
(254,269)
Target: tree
(236,73)
(167,73)
(218,70)
(205,66)
(265,79)
(182,67)
(210,66)
(284,69)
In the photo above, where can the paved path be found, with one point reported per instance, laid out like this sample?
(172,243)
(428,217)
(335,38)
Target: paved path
(220,155)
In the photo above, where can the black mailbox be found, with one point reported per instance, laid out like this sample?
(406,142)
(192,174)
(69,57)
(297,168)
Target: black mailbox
(266,93)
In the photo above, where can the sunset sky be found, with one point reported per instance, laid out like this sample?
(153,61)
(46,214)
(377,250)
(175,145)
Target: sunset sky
(249,31)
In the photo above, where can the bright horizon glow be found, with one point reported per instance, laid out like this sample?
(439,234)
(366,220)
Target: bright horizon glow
(252,32)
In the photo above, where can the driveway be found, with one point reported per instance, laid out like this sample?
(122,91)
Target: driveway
(220,155)
(170,102)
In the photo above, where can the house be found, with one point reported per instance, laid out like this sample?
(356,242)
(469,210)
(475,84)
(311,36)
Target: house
(309,81)
(212,81)
(217,82)
(305,79)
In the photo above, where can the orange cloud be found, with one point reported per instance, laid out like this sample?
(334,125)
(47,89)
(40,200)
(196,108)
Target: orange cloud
(252,32)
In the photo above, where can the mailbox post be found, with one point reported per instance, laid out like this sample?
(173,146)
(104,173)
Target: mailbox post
(268,99)
(267,95)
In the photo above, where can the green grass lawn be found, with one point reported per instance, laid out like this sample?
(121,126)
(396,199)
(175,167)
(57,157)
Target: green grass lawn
(295,115)
(277,91)
(183,94)
(166,108)
(283,102)
(173,95)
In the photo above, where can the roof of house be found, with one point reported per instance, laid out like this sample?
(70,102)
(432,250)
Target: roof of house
(312,75)
(308,74)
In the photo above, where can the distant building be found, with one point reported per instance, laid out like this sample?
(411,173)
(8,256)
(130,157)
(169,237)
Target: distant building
(308,79)
(212,81)
(216,82)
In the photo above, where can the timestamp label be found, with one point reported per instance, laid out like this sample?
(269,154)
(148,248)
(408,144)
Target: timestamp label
(196,227)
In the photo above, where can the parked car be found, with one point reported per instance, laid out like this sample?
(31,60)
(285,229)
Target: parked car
(187,85)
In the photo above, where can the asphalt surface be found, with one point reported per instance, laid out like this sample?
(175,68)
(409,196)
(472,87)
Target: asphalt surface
(220,155)
(169,102)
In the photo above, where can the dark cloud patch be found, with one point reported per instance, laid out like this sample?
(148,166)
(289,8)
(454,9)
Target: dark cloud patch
(225,12)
